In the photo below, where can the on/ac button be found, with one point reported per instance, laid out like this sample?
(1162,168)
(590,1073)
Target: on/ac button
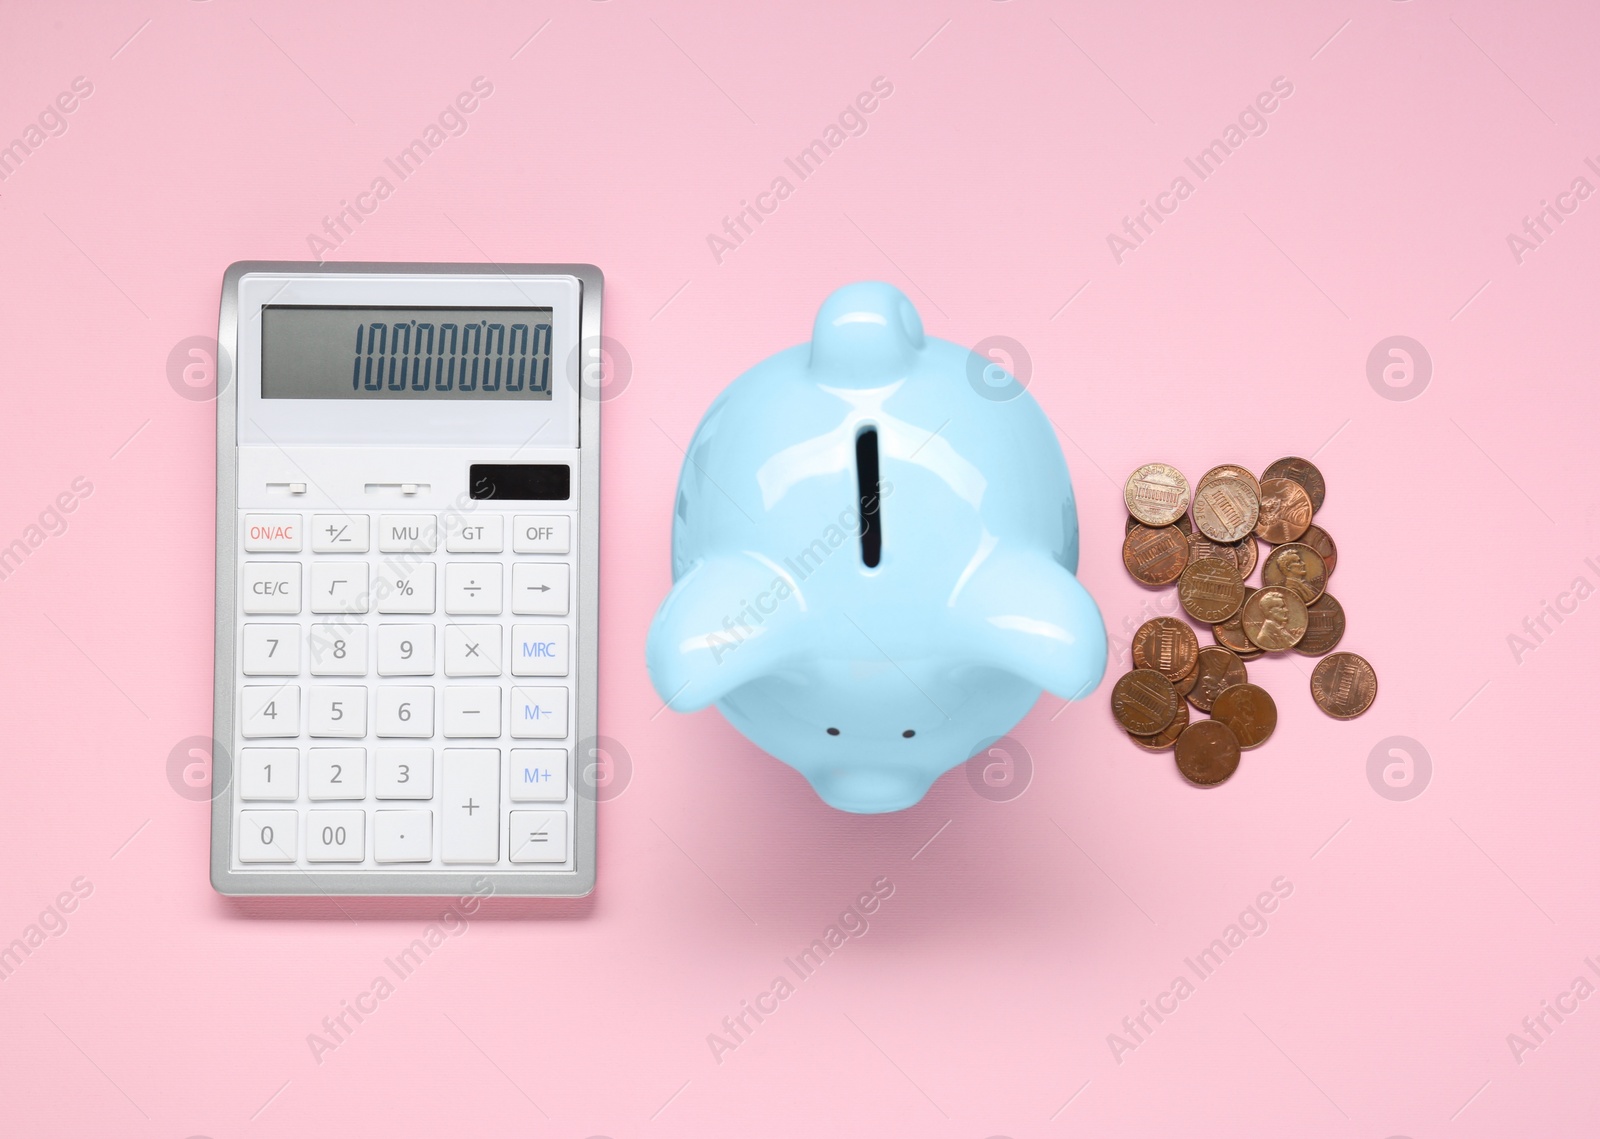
(542,534)
(266,533)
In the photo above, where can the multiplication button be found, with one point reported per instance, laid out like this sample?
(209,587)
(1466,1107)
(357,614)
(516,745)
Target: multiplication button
(542,534)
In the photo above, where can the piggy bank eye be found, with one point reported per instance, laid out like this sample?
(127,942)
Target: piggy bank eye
(833,731)
(908,733)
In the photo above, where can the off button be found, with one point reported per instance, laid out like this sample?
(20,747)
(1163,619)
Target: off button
(542,534)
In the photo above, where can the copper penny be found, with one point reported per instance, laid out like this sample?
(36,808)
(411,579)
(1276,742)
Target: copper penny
(1298,567)
(1211,590)
(1230,633)
(1249,712)
(1207,752)
(1344,685)
(1275,619)
(1185,684)
(1242,552)
(1182,523)
(1168,735)
(1317,538)
(1155,555)
(1226,510)
(1156,494)
(1167,645)
(1285,511)
(1228,471)
(1216,669)
(1302,472)
(1246,550)
(1143,702)
(1324,626)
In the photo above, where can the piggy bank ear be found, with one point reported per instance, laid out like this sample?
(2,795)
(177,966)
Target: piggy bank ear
(724,624)
(1034,619)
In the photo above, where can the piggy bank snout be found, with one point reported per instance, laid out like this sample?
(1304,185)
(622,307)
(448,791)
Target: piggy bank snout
(868,789)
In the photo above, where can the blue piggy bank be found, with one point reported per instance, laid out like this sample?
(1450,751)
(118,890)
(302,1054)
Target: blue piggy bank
(873,556)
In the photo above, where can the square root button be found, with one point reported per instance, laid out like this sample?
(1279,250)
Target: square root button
(539,713)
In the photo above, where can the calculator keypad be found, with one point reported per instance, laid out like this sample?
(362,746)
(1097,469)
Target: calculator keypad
(405,695)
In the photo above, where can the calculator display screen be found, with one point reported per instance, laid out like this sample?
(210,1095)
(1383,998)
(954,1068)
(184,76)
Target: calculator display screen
(342,352)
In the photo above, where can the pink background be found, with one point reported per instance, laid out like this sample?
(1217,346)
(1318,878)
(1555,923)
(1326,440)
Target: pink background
(1021,932)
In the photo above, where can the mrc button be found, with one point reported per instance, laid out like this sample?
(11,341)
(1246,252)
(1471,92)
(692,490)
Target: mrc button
(542,534)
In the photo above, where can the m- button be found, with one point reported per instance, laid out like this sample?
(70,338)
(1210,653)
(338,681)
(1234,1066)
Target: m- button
(542,534)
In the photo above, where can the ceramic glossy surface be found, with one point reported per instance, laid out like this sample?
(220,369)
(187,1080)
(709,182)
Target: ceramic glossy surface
(872,680)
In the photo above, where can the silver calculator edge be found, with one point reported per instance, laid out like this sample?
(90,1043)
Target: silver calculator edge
(231,882)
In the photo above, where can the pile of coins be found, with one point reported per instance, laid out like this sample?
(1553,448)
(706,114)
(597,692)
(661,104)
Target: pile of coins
(1206,543)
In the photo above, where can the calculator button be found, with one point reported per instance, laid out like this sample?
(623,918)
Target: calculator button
(538,774)
(336,836)
(267,711)
(338,650)
(472,650)
(470,805)
(269,773)
(479,535)
(402,836)
(539,650)
(337,712)
(403,773)
(270,587)
(539,589)
(537,836)
(405,650)
(339,587)
(542,534)
(404,712)
(407,533)
(270,650)
(339,533)
(539,713)
(267,836)
(405,589)
(271,533)
(472,588)
(472,712)
(337,773)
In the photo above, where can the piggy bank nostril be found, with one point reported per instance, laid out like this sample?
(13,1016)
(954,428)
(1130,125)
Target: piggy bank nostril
(908,733)
(833,731)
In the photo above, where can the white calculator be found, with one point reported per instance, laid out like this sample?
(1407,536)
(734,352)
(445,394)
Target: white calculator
(408,482)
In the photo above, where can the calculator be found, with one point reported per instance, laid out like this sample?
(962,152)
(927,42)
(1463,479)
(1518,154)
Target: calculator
(408,481)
